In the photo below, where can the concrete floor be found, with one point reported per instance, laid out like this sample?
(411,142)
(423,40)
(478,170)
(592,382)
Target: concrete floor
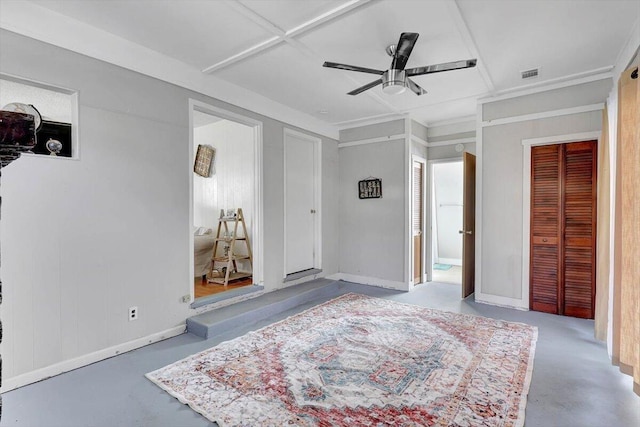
(573,382)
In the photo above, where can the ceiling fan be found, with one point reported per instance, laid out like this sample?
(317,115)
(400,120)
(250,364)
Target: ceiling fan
(396,79)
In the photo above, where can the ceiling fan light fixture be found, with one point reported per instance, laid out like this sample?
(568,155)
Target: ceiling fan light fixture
(393,82)
(397,79)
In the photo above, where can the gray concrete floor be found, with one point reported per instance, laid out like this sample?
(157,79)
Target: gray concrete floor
(573,384)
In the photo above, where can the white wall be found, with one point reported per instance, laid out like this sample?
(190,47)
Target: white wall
(231,184)
(232,181)
(451,133)
(393,127)
(83,240)
(447,181)
(501,179)
(372,231)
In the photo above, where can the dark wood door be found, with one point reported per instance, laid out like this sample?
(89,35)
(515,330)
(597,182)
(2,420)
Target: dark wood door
(546,251)
(580,229)
(563,229)
(469,224)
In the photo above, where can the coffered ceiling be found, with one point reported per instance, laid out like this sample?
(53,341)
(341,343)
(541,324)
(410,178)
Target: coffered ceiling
(275,48)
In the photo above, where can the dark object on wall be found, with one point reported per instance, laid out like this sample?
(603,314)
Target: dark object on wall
(17,135)
(370,188)
(204,160)
(54,130)
(19,107)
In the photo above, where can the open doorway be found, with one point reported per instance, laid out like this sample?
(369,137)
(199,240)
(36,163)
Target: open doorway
(446,221)
(224,203)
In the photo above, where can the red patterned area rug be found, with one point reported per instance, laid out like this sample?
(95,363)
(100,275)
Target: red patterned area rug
(362,361)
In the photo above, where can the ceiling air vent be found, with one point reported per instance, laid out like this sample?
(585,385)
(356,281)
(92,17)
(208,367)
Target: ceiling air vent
(529,74)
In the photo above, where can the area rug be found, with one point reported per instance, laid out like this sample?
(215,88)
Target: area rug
(443,267)
(357,361)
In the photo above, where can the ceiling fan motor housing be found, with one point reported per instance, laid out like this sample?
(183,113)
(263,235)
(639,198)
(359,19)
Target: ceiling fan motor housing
(393,81)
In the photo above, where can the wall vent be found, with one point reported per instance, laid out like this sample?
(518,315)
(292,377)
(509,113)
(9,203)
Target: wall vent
(528,74)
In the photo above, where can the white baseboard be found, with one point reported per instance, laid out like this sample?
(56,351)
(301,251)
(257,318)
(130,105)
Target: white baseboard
(320,275)
(87,359)
(500,301)
(373,281)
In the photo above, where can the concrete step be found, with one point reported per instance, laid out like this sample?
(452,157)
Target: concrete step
(211,323)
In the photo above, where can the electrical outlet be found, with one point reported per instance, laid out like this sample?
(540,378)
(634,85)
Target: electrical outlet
(133,313)
(186,298)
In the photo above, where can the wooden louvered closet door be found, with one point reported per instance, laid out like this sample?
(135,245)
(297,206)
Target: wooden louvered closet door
(563,229)
(545,228)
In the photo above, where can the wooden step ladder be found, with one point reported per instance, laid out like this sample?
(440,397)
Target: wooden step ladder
(229,239)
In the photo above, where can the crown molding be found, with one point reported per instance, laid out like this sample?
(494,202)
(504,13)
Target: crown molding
(559,83)
(544,115)
(471,118)
(371,120)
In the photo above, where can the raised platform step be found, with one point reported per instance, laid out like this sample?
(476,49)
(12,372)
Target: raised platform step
(213,322)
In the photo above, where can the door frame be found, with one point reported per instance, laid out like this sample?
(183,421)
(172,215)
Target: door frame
(317,189)
(257,240)
(423,255)
(526,195)
(429,243)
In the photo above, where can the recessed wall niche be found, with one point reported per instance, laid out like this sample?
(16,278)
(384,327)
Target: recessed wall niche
(57,107)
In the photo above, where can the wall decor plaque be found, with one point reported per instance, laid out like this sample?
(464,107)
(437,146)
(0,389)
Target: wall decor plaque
(204,159)
(370,188)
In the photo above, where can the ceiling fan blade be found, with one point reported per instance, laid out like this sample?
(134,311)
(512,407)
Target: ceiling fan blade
(365,87)
(403,50)
(352,68)
(415,88)
(438,68)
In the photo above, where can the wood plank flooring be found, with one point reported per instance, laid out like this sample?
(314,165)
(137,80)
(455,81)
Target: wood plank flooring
(202,288)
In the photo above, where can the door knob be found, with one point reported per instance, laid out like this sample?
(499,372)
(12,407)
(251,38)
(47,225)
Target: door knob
(465,232)
(313,211)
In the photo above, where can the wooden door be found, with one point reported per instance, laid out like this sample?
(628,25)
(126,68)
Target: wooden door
(563,229)
(546,208)
(417,221)
(579,229)
(299,204)
(468,224)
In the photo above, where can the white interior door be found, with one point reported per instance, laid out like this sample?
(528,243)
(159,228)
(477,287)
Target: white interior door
(300,202)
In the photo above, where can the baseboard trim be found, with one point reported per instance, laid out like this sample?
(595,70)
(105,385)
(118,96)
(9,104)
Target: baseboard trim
(87,359)
(299,278)
(373,281)
(500,301)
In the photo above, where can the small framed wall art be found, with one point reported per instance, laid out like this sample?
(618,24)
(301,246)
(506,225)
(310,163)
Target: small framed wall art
(370,188)
(204,160)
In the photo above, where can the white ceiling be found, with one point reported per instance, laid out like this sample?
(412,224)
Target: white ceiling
(276,48)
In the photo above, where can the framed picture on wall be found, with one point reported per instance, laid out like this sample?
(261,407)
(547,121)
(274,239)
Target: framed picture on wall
(370,188)
(204,160)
